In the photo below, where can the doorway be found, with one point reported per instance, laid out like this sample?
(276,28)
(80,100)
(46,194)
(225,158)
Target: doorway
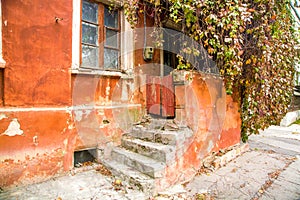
(160,90)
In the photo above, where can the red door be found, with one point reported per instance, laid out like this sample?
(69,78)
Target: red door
(153,94)
(160,96)
(167,97)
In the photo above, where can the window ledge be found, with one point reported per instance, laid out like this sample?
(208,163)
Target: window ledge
(95,72)
(101,73)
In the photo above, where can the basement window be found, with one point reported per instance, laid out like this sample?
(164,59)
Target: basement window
(85,157)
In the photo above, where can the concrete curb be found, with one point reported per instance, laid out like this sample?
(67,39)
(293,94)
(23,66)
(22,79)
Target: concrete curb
(289,118)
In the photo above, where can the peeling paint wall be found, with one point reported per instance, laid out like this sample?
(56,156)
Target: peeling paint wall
(37,144)
(32,145)
(13,128)
(214,118)
(37,52)
(211,113)
(46,112)
(36,80)
(1,86)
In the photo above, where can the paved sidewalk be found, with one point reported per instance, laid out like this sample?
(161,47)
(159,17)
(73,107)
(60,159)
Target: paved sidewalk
(249,177)
(86,185)
(269,170)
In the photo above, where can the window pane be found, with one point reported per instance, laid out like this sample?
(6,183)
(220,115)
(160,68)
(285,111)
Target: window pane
(111,18)
(89,56)
(90,11)
(112,38)
(89,34)
(111,59)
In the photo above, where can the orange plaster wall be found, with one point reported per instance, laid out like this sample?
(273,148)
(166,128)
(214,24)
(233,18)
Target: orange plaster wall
(38,88)
(231,133)
(38,55)
(91,89)
(211,113)
(109,116)
(105,90)
(215,121)
(1,86)
(37,51)
(42,149)
(153,66)
(142,67)
(41,143)
(36,144)
(102,125)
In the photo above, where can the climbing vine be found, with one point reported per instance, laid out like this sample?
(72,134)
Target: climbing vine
(252,42)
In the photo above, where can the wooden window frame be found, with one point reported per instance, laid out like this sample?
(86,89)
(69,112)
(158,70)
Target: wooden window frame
(101,37)
(118,29)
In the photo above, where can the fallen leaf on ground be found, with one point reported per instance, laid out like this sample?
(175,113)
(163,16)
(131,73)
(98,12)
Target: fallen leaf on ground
(117,184)
(274,175)
(88,163)
(103,170)
(234,170)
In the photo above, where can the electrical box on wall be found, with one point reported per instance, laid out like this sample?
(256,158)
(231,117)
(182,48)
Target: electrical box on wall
(148,53)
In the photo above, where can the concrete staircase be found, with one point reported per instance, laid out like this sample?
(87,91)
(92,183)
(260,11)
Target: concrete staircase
(145,153)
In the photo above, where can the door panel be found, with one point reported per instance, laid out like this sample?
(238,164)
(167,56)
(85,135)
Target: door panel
(168,97)
(153,94)
(160,96)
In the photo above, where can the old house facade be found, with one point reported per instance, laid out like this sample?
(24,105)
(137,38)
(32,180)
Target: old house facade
(73,77)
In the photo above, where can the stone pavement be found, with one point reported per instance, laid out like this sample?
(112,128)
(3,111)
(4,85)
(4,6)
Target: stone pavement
(269,170)
(85,185)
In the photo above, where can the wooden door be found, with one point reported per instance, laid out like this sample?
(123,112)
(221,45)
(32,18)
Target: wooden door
(167,97)
(153,94)
(160,96)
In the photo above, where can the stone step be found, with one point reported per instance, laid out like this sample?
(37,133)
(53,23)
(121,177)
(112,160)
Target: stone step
(157,151)
(158,123)
(291,132)
(134,178)
(146,165)
(142,133)
(166,137)
(280,143)
(5,194)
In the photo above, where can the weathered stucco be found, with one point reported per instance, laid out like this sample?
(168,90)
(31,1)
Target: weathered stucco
(37,51)
(47,112)
(42,143)
(42,150)
(214,118)
(39,128)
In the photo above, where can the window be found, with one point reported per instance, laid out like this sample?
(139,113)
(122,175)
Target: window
(100,38)
(169,53)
